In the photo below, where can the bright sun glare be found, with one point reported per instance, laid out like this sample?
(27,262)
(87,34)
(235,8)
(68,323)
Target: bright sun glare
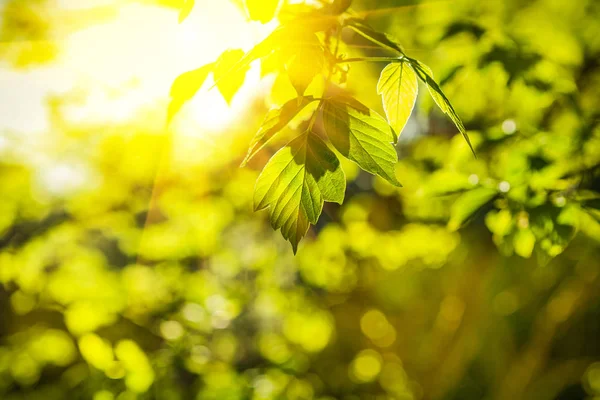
(129,61)
(223,21)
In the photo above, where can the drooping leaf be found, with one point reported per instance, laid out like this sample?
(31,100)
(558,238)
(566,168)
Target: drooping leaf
(372,35)
(186,9)
(424,73)
(275,121)
(361,135)
(185,87)
(261,10)
(229,81)
(468,204)
(296,182)
(398,86)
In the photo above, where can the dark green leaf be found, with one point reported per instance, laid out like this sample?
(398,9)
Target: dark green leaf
(275,121)
(363,136)
(295,183)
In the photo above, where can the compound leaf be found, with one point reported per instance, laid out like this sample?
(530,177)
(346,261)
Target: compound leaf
(296,182)
(361,135)
(398,87)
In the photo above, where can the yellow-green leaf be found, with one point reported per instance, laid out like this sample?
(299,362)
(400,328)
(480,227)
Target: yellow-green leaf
(295,183)
(398,87)
(363,136)
(186,9)
(185,87)
(261,10)
(229,79)
(275,121)
(523,242)
(303,57)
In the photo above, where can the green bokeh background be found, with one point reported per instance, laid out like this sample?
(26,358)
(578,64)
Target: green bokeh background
(159,282)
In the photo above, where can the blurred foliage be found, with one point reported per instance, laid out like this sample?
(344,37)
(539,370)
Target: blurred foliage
(133,267)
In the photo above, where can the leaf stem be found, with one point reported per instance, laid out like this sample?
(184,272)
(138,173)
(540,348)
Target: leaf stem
(370,59)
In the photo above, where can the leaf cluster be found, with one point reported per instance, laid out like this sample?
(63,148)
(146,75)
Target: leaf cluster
(305,172)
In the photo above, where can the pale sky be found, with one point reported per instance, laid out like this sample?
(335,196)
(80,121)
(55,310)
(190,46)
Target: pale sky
(127,63)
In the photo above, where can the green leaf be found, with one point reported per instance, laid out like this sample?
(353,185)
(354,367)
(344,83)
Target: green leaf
(468,204)
(261,10)
(363,136)
(275,120)
(185,10)
(228,79)
(296,182)
(424,73)
(370,34)
(185,87)
(398,86)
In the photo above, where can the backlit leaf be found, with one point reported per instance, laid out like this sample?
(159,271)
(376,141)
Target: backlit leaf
(295,183)
(275,121)
(228,79)
(185,10)
(261,10)
(398,86)
(468,204)
(363,136)
(185,87)
(278,39)
(424,73)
